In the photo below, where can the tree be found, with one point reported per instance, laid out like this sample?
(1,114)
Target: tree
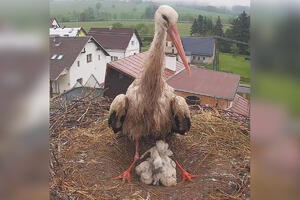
(90,15)
(194,28)
(142,29)
(218,29)
(150,11)
(98,5)
(240,31)
(200,24)
(117,25)
(235,49)
(82,16)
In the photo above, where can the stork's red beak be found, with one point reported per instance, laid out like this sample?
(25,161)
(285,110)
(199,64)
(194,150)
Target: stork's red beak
(175,37)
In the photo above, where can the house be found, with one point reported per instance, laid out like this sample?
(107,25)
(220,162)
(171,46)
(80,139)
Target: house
(75,62)
(118,42)
(67,32)
(54,23)
(213,88)
(199,50)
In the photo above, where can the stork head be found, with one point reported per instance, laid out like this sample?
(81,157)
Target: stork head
(166,18)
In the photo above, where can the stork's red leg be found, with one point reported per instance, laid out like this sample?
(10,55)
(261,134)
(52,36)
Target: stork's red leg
(126,174)
(185,174)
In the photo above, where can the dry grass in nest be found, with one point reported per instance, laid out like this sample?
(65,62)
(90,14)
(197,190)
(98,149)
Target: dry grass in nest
(85,158)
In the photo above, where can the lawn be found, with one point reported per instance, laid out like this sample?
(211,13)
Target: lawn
(236,65)
(129,10)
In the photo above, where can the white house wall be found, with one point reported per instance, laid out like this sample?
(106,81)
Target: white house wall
(130,50)
(96,67)
(63,82)
(133,48)
(115,52)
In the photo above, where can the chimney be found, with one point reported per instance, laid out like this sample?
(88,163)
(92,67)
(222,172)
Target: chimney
(170,61)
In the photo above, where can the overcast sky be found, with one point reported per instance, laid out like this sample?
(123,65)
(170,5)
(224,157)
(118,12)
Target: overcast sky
(227,3)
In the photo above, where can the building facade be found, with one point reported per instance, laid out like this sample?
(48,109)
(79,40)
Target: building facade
(118,42)
(76,60)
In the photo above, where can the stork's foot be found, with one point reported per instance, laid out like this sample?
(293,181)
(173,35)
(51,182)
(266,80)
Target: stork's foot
(185,174)
(125,176)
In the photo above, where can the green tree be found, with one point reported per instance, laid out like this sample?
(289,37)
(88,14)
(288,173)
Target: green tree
(218,29)
(117,25)
(142,29)
(235,49)
(98,5)
(194,28)
(200,25)
(240,31)
(150,11)
(82,16)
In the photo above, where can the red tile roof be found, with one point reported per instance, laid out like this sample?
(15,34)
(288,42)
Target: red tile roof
(240,105)
(132,65)
(206,82)
(114,38)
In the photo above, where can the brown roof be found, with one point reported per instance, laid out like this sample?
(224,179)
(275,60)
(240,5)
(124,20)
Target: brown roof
(240,105)
(69,47)
(114,38)
(206,82)
(133,65)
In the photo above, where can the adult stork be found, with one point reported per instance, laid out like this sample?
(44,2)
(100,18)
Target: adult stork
(150,106)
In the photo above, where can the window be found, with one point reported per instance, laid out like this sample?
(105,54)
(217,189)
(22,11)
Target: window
(53,57)
(203,58)
(89,58)
(99,57)
(134,53)
(132,42)
(172,51)
(198,57)
(79,80)
(78,63)
(114,58)
(60,57)
(172,45)
(166,43)
(194,57)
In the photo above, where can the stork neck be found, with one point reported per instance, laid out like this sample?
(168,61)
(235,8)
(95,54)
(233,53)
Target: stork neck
(154,64)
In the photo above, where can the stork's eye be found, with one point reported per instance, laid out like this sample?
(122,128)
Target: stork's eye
(165,18)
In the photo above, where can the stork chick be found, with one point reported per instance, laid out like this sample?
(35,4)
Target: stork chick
(150,107)
(159,168)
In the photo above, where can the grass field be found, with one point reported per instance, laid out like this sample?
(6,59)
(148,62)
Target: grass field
(235,64)
(134,10)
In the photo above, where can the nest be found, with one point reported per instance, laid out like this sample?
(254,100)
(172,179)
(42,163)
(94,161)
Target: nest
(85,155)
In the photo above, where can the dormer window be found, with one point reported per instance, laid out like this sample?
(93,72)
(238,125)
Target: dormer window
(132,42)
(53,57)
(58,44)
(60,57)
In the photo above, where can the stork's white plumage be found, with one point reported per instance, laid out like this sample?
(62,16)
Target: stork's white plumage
(150,106)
